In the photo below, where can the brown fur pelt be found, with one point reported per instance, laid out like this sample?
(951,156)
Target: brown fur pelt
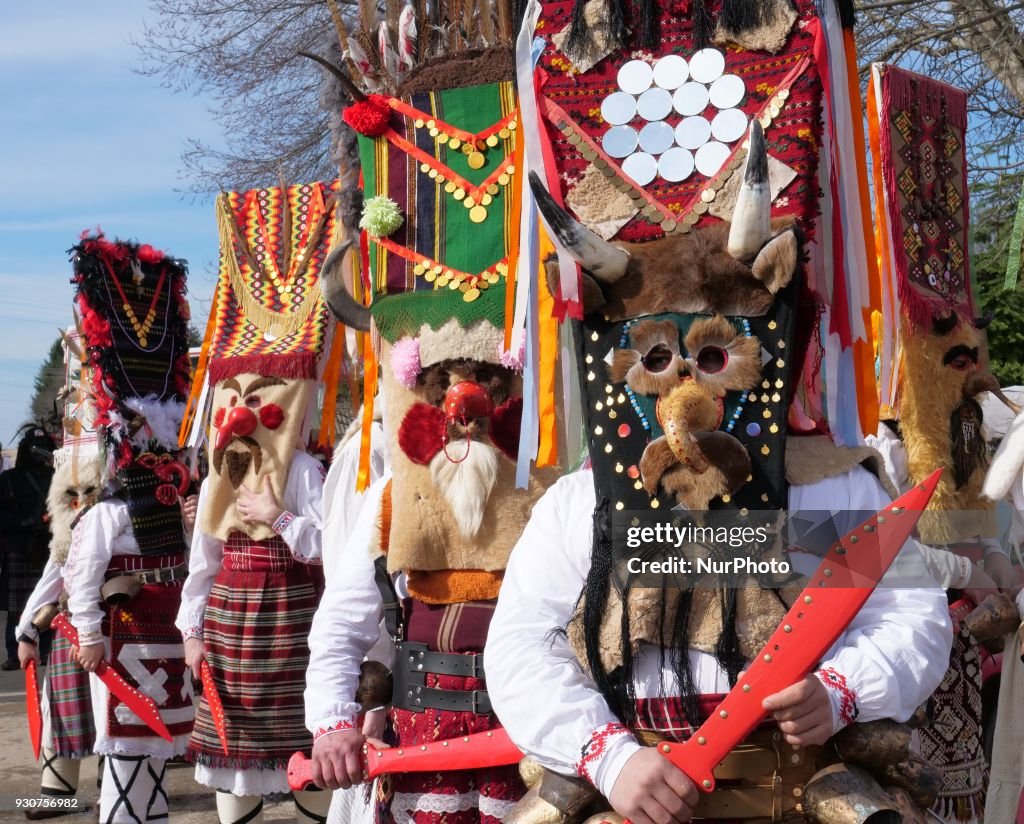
(930,392)
(75,486)
(694,274)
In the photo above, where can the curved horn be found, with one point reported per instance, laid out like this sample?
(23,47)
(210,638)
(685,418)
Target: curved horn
(335,291)
(752,218)
(346,82)
(943,326)
(604,260)
(984,320)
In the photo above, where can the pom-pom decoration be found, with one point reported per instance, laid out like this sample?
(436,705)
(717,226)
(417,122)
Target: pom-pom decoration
(381,216)
(405,361)
(369,117)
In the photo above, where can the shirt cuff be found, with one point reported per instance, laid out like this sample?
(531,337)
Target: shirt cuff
(29,630)
(90,635)
(993,546)
(604,755)
(841,696)
(282,522)
(327,726)
(192,631)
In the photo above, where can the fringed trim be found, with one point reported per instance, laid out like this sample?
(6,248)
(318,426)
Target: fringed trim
(293,366)
(220,762)
(969,809)
(905,90)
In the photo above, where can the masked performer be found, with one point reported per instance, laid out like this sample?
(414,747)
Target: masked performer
(920,152)
(126,562)
(688,351)
(68,727)
(428,551)
(255,572)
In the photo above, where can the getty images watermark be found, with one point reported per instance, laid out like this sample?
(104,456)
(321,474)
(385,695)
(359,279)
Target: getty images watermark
(733,548)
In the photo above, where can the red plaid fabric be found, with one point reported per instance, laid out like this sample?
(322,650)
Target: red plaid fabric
(256,629)
(67,691)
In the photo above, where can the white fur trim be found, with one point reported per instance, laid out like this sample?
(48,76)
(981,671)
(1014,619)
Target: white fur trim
(480,341)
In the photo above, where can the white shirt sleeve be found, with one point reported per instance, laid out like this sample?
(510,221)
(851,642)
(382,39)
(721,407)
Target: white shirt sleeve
(527,657)
(947,568)
(92,547)
(346,626)
(895,652)
(204,562)
(47,591)
(301,524)
(342,504)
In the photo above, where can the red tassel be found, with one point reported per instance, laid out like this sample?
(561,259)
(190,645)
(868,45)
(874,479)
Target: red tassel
(293,366)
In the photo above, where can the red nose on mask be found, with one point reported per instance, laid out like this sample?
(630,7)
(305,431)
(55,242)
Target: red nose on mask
(239,421)
(467,400)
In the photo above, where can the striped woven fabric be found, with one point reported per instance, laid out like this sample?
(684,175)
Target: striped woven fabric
(72,727)
(257,624)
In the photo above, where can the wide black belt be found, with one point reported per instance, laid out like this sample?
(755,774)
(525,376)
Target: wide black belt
(414,661)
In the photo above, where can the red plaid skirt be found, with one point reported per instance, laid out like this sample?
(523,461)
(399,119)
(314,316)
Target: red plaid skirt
(468,796)
(72,729)
(256,631)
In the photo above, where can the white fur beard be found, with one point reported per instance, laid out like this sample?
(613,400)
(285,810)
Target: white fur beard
(466,485)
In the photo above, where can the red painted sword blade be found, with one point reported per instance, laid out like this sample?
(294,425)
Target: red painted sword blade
(830,601)
(216,707)
(142,705)
(32,707)
(482,749)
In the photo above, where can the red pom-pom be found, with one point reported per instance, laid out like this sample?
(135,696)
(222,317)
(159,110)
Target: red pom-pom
(369,117)
(271,415)
(504,430)
(421,434)
(147,254)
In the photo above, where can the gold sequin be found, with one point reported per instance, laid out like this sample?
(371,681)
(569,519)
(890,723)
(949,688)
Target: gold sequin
(476,160)
(478,214)
(459,193)
(471,295)
(492,141)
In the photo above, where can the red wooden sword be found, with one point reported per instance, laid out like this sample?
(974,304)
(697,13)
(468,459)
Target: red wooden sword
(831,600)
(142,705)
(32,708)
(216,707)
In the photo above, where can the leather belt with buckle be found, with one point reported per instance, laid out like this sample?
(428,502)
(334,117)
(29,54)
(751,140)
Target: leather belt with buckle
(414,661)
(160,575)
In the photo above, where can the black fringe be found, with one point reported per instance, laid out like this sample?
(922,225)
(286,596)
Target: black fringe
(847,14)
(743,15)
(617,31)
(576,42)
(650,24)
(969,453)
(703,25)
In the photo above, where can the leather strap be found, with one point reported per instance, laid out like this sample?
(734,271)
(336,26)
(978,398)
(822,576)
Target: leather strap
(389,598)
(414,661)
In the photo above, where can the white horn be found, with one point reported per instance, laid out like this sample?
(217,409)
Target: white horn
(604,260)
(752,218)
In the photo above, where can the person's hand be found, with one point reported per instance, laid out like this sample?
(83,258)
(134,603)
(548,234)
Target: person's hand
(1000,570)
(258,507)
(338,760)
(89,656)
(803,711)
(189,507)
(27,651)
(195,654)
(652,790)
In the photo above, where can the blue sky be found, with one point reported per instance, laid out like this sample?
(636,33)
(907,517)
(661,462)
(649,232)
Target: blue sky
(84,141)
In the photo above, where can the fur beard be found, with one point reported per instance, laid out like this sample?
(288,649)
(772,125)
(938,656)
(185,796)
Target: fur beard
(467,485)
(71,478)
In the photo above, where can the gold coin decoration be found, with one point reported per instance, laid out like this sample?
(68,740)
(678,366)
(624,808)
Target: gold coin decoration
(478,214)
(476,160)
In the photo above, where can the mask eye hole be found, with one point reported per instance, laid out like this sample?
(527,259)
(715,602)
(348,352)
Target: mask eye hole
(234,400)
(712,359)
(658,358)
(252,401)
(961,363)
